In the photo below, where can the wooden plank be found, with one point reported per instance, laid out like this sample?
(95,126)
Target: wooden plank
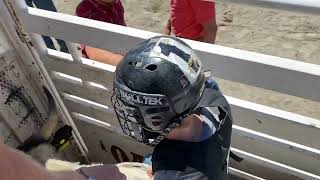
(90,91)
(91,109)
(268,169)
(275,122)
(269,72)
(279,150)
(88,70)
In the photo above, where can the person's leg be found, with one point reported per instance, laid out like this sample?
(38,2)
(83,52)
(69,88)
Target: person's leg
(49,6)
(188,174)
(45,5)
(49,42)
(191,174)
(29,3)
(63,46)
(165,175)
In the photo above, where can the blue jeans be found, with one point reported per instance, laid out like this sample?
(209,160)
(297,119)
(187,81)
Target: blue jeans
(49,6)
(188,174)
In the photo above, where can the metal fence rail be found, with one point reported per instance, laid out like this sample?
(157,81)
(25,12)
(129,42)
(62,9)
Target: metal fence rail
(303,6)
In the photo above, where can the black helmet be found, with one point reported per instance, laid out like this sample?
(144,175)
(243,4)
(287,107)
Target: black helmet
(157,84)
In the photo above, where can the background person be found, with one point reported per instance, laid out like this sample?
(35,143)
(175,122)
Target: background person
(192,19)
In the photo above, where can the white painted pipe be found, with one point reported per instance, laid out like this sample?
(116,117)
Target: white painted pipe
(75,52)
(21,5)
(303,6)
(39,44)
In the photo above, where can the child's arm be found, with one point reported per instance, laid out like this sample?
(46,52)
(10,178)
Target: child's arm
(190,130)
(103,56)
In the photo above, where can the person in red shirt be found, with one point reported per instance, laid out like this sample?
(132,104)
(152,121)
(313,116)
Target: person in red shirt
(192,19)
(110,11)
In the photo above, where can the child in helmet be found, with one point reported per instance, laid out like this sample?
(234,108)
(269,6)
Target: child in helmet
(162,99)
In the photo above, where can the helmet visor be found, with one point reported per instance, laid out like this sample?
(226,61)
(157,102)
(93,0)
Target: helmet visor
(128,104)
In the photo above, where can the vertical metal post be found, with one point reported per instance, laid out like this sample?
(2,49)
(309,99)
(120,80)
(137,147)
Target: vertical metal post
(75,52)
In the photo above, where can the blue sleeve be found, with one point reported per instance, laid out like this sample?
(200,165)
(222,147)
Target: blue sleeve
(211,83)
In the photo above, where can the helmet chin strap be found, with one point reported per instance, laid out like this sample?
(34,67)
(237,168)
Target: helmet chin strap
(165,132)
(170,127)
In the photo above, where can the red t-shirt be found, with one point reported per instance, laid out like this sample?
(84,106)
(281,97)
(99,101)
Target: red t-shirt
(110,13)
(187,17)
(92,9)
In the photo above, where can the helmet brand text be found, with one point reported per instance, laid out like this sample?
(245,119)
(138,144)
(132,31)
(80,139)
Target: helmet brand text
(140,99)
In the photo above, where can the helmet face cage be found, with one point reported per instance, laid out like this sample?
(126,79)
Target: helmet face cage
(131,118)
(126,117)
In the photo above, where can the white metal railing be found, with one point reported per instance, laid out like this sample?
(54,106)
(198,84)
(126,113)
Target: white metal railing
(304,6)
(275,144)
(231,64)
